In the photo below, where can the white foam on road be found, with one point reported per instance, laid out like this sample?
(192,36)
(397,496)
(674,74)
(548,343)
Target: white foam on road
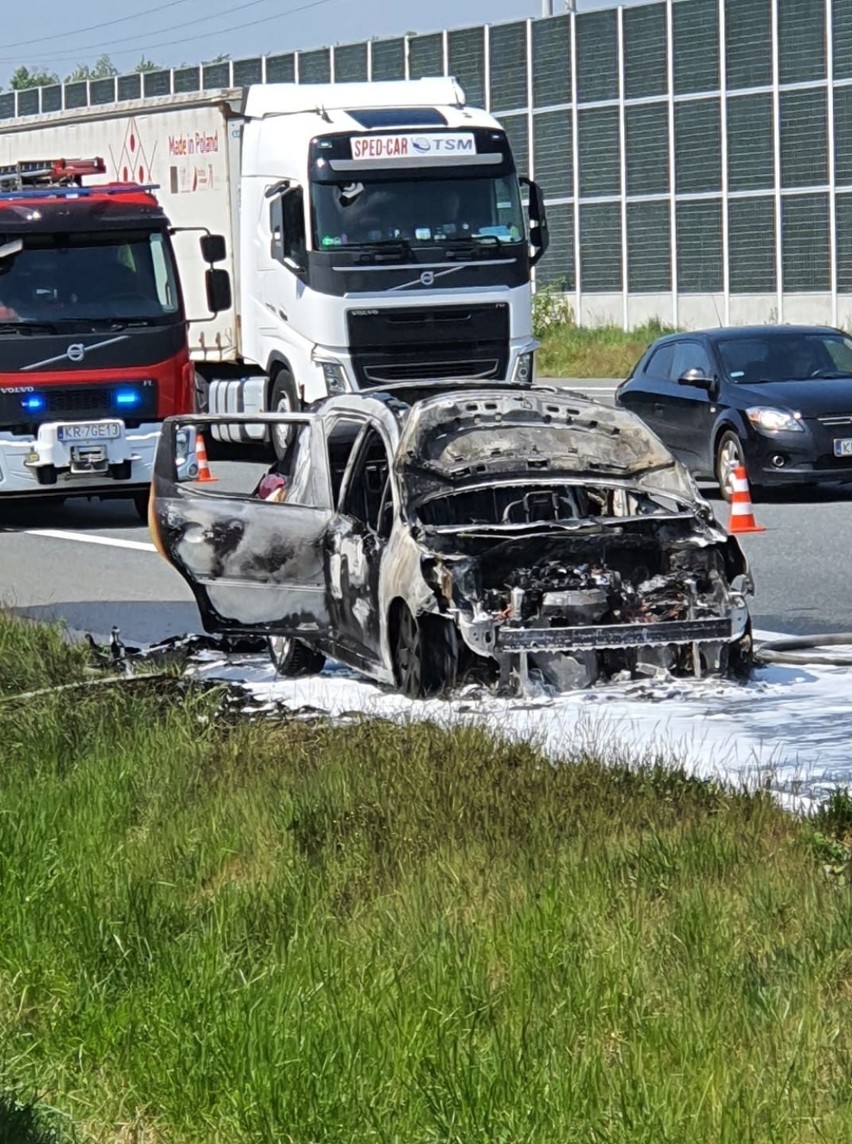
(789,727)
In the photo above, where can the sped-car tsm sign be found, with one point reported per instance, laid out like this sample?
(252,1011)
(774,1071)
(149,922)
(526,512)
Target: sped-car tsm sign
(412,146)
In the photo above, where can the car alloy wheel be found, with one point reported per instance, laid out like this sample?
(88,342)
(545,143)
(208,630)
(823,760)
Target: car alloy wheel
(425,653)
(729,455)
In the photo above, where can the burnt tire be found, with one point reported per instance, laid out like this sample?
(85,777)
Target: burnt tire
(283,398)
(291,657)
(729,454)
(425,653)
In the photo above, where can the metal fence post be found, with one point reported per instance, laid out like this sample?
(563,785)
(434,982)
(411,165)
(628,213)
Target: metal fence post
(575,177)
(672,160)
(723,129)
(776,144)
(622,164)
(832,177)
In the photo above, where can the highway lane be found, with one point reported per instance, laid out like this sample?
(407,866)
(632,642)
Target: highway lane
(92,564)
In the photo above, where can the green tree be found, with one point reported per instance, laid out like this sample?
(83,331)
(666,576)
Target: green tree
(146,65)
(102,68)
(23,78)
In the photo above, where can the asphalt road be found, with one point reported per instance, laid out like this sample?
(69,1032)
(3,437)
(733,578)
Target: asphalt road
(93,565)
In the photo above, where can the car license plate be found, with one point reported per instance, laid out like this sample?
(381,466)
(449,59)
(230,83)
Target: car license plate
(90,431)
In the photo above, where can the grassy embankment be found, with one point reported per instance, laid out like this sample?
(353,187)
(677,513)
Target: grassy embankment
(570,351)
(316,934)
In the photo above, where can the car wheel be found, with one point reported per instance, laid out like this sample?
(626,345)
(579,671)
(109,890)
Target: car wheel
(292,657)
(282,399)
(729,454)
(425,654)
(140,503)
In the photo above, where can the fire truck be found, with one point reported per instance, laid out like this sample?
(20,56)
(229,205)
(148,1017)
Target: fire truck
(93,333)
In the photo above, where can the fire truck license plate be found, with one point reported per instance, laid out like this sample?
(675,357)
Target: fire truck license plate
(90,431)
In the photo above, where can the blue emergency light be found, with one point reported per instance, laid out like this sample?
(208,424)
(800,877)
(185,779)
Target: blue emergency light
(128,398)
(34,402)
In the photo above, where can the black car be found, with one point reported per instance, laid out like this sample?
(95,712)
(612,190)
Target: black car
(775,398)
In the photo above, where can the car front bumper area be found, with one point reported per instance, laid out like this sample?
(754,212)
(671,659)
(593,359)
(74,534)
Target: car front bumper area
(516,646)
(106,456)
(803,457)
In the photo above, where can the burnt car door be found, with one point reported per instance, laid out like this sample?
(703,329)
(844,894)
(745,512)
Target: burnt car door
(357,543)
(253,565)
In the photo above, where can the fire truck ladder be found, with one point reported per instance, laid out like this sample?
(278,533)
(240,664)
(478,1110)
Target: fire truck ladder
(48,173)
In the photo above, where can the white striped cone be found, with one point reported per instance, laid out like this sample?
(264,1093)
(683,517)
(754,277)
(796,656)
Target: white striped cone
(742,513)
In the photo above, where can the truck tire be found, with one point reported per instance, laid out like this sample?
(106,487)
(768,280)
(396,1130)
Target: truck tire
(283,398)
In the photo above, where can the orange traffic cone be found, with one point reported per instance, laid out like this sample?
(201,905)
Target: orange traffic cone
(204,473)
(742,513)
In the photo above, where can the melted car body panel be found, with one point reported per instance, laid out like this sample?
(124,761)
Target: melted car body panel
(549,531)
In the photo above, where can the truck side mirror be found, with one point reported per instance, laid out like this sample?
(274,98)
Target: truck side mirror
(539,234)
(218,283)
(213,248)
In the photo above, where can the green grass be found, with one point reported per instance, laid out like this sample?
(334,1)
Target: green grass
(571,351)
(316,934)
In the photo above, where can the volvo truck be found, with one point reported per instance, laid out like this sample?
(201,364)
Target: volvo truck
(375,232)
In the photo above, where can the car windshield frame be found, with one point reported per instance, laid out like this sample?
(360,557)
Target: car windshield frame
(428,212)
(788,357)
(91,276)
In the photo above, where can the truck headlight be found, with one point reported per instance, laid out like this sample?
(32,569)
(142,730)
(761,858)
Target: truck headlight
(524,369)
(770,420)
(335,377)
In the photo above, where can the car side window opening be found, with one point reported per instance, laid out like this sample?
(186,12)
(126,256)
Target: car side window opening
(660,362)
(690,355)
(340,442)
(287,225)
(367,479)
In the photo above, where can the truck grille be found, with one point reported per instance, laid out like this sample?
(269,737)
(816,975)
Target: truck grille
(80,401)
(75,403)
(414,343)
(488,369)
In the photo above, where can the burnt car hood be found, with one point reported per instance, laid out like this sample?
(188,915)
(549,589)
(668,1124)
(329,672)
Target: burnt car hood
(814,398)
(453,439)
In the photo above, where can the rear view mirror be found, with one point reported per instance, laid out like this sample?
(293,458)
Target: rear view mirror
(696,378)
(218,284)
(539,234)
(213,248)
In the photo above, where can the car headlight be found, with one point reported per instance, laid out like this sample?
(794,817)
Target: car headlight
(524,369)
(771,420)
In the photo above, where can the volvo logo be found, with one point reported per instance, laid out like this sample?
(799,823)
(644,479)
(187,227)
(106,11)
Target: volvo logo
(75,353)
(427,278)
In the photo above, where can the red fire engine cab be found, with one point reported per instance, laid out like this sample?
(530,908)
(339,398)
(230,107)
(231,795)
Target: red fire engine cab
(93,333)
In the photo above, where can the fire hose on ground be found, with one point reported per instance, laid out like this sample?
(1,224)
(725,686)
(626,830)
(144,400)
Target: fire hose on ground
(803,650)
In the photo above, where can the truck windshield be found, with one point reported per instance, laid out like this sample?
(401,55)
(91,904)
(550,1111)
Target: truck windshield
(420,212)
(112,276)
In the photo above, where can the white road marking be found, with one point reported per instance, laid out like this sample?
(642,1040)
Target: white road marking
(87,538)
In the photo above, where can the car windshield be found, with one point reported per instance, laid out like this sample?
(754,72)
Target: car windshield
(786,357)
(421,212)
(114,275)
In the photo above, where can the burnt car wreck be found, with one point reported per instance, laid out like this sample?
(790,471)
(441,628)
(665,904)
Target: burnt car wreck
(432,533)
